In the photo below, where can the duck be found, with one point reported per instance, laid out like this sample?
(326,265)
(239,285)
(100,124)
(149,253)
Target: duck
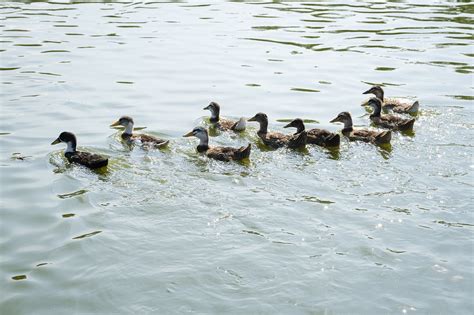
(225,154)
(391,122)
(277,140)
(90,160)
(398,105)
(316,136)
(129,136)
(224,124)
(365,135)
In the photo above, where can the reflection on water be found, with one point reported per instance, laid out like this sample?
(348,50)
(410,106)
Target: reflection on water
(286,232)
(86,235)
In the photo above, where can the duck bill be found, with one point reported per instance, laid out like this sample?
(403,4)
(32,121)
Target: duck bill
(254,118)
(56,141)
(288,126)
(368,91)
(206,108)
(335,120)
(189,134)
(115,123)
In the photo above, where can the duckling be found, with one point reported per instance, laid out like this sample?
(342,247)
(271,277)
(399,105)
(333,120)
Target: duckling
(316,136)
(388,121)
(219,153)
(276,139)
(224,124)
(375,137)
(397,105)
(87,159)
(128,135)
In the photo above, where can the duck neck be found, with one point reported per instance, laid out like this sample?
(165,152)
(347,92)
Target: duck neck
(71,147)
(214,115)
(348,125)
(300,128)
(377,111)
(203,145)
(128,130)
(263,126)
(379,94)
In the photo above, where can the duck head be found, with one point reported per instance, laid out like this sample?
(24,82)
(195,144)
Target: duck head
(215,109)
(201,134)
(296,123)
(259,117)
(345,118)
(376,90)
(125,121)
(69,138)
(262,119)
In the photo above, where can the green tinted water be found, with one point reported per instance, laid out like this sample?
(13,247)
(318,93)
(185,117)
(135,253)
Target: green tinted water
(359,230)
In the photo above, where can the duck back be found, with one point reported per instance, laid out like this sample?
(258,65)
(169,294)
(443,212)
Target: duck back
(87,159)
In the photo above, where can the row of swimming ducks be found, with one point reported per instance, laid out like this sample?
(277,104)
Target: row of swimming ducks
(274,140)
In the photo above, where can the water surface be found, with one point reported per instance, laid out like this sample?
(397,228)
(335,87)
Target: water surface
(361,230)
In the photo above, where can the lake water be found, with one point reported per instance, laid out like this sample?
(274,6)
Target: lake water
(361,230)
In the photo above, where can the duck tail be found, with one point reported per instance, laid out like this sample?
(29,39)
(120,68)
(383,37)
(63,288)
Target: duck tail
(414,108)
(384,137)
(298,140)
(407,125)
(243,152)
(333,140)
(98,163)
(103,163)
(162,144)
(239,125)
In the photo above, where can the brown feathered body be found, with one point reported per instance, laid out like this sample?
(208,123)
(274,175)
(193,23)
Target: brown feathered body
(216,152)
(391,122)
(129,136)
(397,105)
(365,135)
(277,139)
(223,123)
(316,136)
(145,140)
(87,159)
(226,153)
(323,138)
